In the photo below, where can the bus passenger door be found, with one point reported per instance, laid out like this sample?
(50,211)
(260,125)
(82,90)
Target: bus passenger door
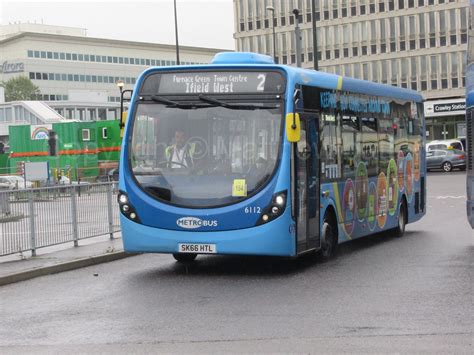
(307,185)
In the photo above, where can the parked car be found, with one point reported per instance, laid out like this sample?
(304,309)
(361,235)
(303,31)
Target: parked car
(445,144)
(447,159)
(112,175)
(16,182)
(64,180)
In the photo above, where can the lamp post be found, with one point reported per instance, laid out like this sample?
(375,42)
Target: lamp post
(296,12)
(315,39)
(120,85)
(272,9)
(176,32)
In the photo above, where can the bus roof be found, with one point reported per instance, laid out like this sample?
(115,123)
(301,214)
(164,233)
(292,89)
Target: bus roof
(318,78)
(234,60)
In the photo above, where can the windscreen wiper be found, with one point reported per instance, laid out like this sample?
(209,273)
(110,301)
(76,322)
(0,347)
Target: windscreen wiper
(163,100)
(171,103)
(234,106)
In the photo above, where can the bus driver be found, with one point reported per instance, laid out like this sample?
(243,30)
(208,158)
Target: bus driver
(180,154)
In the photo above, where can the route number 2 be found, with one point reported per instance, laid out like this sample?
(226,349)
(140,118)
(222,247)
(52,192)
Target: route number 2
(261,84)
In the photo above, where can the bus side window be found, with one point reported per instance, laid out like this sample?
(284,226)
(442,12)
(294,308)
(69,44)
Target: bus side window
(330,147)
(386,150)
(351,138)
(370,146)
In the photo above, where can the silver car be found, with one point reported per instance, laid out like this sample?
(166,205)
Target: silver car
(445,159)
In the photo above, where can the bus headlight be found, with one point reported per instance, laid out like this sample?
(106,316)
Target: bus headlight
(126,208)
(122,198)
(274,209)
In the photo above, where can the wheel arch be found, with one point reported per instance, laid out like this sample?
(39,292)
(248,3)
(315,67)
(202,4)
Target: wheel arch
(404,200)
(330,213)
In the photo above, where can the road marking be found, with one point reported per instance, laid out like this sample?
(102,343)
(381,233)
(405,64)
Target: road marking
(447,196)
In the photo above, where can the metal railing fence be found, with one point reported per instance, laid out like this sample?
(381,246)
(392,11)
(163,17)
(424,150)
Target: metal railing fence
(36,218)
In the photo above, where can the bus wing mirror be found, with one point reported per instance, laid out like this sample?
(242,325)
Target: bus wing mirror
(293,127)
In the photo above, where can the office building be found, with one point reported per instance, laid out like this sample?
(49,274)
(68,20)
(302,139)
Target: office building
(416,44)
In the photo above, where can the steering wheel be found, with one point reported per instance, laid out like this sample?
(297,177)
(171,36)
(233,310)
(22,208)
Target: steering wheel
(169,163)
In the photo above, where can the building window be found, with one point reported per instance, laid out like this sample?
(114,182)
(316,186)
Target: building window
(74,56)
(453,40)
(30,54)
(412,44)
(68,56)
(86,135)
(401,4)
(381,7)
(32,76)
(362,9)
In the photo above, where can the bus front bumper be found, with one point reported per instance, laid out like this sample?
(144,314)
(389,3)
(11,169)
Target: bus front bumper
(274,238)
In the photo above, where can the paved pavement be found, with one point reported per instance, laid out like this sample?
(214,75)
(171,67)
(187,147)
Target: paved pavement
(20,267)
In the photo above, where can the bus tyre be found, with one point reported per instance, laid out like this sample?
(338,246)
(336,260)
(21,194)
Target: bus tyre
(184,258)
(402,219)
(328,241)
(447,167)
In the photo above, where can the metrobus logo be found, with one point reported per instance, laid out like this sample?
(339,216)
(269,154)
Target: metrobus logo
(193,222)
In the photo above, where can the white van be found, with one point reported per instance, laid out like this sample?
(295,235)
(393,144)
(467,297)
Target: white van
(444,144)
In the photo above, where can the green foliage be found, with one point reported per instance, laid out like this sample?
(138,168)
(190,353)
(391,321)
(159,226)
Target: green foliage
(20,88)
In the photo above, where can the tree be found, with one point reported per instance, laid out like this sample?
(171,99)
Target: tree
(20,88)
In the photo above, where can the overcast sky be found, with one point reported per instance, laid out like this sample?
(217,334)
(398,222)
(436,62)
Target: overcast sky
(202,23)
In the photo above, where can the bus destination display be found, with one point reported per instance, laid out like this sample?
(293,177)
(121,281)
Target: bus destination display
(220,83)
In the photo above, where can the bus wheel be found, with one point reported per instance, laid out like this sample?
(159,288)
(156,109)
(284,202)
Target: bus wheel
(402,219)
(447,166)
(328,240)
(184,258)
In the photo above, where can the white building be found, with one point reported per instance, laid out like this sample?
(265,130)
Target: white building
(416,44)
(76,74)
